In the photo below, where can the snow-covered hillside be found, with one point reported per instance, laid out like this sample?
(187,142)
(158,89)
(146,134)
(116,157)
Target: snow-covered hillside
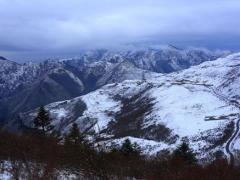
(199,104)
(14,76)
(98,63)
(26,86)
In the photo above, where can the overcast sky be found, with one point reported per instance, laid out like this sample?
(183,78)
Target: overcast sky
(37,29)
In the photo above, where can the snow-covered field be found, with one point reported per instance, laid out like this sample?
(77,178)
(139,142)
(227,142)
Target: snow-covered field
(195,104)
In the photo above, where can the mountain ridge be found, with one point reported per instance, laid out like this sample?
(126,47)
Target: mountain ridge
(26,86)
(160,111)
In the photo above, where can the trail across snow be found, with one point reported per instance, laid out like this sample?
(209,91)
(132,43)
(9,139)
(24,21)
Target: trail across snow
(230,142)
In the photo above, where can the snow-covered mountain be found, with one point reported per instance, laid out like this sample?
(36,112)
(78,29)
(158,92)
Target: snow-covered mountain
(24,87)
(163,60)
(200,104)
(27,86)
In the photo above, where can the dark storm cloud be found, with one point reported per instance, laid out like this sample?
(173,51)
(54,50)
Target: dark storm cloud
(44,28)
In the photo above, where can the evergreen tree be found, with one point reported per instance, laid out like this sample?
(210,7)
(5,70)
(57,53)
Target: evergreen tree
(130,149)
(43,121)
(56,134)
(185,153)
(74,137)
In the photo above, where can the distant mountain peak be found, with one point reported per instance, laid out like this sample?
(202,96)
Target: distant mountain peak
(2,58)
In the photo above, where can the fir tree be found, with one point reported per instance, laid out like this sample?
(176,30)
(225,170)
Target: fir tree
(56,134)
(74,137)
(185,153)
(130,149)
(43,121)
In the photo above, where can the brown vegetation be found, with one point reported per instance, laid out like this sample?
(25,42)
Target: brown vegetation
(41,154)
(34,156)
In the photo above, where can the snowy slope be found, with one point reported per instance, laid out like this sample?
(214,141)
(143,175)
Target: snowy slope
(27,86)
(195,104)
(95,64)
(14,76)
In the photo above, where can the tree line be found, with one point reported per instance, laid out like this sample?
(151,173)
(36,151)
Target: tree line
(43,154)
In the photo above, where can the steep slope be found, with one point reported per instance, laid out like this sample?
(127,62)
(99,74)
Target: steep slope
(23,87)
(59,83)
(14,76)
(196,104)
(124,70)
(27,86)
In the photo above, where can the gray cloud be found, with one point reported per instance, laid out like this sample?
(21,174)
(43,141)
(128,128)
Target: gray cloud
(39,29)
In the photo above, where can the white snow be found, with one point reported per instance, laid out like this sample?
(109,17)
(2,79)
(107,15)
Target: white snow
(99,104)
(185,110)
(147,146)
(61,113)
(192,103)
